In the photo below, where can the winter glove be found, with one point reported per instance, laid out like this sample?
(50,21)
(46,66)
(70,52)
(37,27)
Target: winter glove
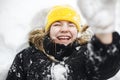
(99,14)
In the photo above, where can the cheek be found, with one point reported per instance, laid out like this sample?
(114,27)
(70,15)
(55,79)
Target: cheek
(74,33)
(53,33)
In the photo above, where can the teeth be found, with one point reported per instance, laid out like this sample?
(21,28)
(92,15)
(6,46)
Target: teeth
(63,38)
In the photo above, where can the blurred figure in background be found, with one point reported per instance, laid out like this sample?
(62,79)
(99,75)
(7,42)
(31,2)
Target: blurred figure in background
(63,50)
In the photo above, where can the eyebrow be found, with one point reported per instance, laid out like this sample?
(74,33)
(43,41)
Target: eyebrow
(64,20)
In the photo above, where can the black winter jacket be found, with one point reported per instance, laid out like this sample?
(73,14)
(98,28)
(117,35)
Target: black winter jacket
(92,61)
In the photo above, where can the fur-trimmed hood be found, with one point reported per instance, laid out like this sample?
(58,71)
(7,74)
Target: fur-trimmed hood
(36,37)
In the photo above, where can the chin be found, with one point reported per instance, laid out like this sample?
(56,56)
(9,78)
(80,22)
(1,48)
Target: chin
(65,44)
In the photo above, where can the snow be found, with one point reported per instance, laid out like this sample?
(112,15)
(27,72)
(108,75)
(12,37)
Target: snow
(16,18)
(59,71)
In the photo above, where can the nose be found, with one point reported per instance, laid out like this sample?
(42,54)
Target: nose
(64,28)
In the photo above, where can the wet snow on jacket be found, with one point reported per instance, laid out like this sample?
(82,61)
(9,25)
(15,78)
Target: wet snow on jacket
(92,61)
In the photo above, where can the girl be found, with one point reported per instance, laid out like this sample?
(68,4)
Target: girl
(58,53)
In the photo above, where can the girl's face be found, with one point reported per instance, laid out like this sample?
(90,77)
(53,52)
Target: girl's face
(63,32)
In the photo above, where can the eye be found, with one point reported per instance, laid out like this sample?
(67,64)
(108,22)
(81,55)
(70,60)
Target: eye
(71,24)
(57,24)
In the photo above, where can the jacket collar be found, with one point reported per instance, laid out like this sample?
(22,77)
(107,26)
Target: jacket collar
(59,51)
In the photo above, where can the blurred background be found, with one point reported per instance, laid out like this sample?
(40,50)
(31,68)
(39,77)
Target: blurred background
(18,18)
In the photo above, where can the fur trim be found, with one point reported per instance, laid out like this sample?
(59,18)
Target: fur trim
(36,37)
(85,35)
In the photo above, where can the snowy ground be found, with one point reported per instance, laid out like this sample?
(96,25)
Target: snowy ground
(15,24)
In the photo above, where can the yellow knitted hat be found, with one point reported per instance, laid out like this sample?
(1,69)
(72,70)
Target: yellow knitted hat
(62,13)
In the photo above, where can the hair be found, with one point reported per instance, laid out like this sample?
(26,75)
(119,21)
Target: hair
(36,37)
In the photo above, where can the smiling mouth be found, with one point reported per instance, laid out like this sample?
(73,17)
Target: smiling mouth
(64,38)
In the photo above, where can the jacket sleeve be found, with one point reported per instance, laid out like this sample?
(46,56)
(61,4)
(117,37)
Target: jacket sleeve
(16,71)
(104,59)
